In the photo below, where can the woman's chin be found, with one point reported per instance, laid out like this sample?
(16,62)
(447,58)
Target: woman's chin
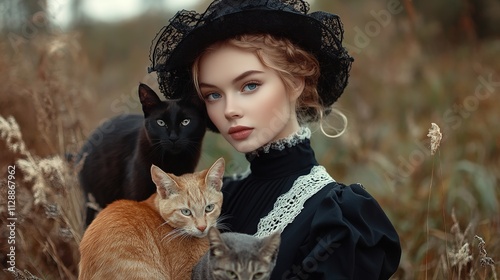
(245,146)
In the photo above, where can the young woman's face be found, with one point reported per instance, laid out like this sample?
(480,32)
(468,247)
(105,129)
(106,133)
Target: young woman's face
(247,101)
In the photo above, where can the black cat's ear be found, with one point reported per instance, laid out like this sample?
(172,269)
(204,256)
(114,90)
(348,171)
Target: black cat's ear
(213,179)
(165,184)
(149,99)
(269,247)
(217,246)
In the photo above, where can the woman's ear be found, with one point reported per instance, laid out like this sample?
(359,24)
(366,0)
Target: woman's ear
(299,85)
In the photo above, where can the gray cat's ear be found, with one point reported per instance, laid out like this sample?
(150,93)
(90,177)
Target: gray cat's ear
(269,247)
(165,185)
(217,246)
(214,175)
(149,99)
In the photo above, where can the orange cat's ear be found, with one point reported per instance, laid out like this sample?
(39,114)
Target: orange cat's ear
(217,245)
(165,185)
(215,174)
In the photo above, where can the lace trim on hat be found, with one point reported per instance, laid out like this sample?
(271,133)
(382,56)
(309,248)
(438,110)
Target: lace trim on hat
(289,205)
(283,143)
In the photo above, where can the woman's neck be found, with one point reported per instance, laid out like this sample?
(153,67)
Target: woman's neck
(291,140)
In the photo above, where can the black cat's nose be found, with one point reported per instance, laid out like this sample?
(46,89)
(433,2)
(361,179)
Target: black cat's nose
(173,137)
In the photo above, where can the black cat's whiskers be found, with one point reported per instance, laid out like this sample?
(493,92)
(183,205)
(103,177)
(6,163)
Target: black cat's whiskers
(189,147)
(160,148)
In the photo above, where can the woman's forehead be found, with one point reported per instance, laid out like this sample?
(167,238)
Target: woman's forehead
(227,63)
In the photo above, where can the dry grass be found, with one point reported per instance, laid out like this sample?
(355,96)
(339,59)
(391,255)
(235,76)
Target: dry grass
(48,198)
(56,89)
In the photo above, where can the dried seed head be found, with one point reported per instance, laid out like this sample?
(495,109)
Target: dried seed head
(11,134)
(52,211)
(435,136)
(484,260)
(461,257)
(66,234)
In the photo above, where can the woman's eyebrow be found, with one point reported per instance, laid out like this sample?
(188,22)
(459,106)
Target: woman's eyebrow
(206,85)
(246,74)
(235,80)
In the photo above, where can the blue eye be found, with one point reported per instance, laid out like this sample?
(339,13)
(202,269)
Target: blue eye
(250,87)
(213,96)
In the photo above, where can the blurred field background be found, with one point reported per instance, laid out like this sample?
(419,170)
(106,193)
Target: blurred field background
(416,63)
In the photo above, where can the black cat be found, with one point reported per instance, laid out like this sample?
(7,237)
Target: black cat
(118,154)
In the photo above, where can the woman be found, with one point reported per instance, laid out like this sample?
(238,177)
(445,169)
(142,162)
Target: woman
(265,69)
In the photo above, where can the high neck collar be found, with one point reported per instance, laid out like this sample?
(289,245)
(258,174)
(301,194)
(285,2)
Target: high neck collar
(294,139)
(283,157)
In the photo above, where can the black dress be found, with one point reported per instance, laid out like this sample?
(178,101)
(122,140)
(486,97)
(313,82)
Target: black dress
(340,233)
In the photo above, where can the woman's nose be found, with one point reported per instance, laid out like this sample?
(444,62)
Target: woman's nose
(233,109)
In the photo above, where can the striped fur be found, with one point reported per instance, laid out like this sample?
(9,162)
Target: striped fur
(154,238)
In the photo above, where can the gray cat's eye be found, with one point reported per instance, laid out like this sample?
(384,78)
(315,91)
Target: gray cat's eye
(185,122)
(258,276)
(231,274)
(160,122)
(186,212)
(209,208)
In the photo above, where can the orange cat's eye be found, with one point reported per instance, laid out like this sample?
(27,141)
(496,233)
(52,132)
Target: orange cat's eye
(209,208)
(186,212)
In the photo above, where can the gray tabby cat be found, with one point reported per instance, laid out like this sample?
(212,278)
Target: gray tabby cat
(237,256)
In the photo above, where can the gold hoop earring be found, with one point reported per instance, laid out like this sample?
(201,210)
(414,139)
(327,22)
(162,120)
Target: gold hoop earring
(339,131)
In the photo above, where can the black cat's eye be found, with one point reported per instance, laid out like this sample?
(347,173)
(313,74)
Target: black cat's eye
(185,122)
(231,274)
(209,208)
(160,122)
(186,212)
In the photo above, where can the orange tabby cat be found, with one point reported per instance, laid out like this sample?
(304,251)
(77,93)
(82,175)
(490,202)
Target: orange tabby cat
(159,238)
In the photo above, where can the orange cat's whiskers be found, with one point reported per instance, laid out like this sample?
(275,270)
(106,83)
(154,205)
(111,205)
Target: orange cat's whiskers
(175,233)
(165,223)
(184,236)
(220,225)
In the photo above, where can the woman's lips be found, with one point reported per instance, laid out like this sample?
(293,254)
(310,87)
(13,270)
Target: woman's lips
(240,132)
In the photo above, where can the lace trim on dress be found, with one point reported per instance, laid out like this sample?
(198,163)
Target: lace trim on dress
(280,144)
(289,205)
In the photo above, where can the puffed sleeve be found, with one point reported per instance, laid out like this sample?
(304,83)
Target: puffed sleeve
(351,238)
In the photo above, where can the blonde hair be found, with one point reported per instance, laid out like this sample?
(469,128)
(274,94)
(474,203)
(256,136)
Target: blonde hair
(288,60)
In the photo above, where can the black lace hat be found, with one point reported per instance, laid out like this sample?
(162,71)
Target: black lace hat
(188,33)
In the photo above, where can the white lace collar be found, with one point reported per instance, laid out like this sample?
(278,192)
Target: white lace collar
(280,144)
(289,205)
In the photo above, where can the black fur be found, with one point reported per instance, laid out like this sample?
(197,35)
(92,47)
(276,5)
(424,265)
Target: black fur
(119,154)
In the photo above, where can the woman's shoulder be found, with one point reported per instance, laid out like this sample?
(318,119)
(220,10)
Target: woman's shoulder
(353,208)
(341,191)
(345,224)
(353,199)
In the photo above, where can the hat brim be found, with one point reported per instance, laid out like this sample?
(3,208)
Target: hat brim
(298,28)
